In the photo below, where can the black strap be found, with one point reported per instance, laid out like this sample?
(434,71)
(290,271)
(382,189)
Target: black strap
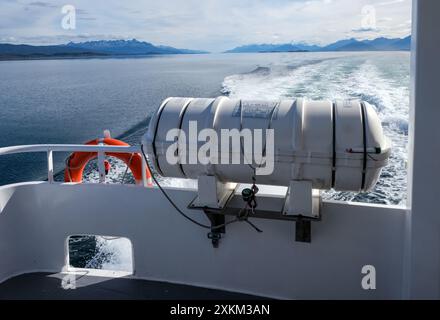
(157,166)
(334,145)
(155,135)
(364,138)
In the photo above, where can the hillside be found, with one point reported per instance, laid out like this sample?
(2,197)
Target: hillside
(88,49)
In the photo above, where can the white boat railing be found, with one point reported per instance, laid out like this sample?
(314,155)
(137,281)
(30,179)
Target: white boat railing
(49,149)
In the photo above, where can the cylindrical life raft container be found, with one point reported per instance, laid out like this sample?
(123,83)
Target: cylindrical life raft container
(77,161)
(333,144)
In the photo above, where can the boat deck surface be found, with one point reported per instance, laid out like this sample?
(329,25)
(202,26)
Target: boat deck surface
(43,286)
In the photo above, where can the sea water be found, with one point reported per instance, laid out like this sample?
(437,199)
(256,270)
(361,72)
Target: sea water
(72,101)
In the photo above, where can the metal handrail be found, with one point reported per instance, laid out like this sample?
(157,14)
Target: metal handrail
(50,148)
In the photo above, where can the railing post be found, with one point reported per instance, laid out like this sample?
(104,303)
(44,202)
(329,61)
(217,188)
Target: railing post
(50,166)
(101,166)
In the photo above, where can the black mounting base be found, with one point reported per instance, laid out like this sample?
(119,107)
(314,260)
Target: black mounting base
(217,227)
(303,230)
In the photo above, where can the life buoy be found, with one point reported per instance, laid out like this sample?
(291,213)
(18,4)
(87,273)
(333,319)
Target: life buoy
(77,161)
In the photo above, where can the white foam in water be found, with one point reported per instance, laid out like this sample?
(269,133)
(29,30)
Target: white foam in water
(113,253)
(119,173)
(382,80)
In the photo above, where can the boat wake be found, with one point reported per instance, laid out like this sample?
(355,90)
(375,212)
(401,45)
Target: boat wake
(381,81)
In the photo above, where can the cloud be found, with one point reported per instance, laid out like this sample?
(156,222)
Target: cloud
(213,25)
(42,4)
(362,29)
(86,18)
(391,2)
(62,38)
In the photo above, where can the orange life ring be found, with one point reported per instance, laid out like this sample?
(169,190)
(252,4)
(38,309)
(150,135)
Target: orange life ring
(78,160)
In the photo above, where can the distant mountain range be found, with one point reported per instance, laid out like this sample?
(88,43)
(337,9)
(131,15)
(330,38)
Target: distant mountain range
(88,49)
(135,47)
(379,44)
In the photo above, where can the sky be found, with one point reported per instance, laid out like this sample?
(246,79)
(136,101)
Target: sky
(213,25)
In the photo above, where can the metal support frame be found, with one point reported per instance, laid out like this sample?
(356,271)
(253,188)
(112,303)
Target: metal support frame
(217,217)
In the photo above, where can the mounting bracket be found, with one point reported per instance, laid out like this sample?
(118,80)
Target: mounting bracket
(302,200)
(212,193)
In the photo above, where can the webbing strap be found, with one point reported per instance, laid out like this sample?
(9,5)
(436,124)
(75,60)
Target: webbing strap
(334,145)
(364,139)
